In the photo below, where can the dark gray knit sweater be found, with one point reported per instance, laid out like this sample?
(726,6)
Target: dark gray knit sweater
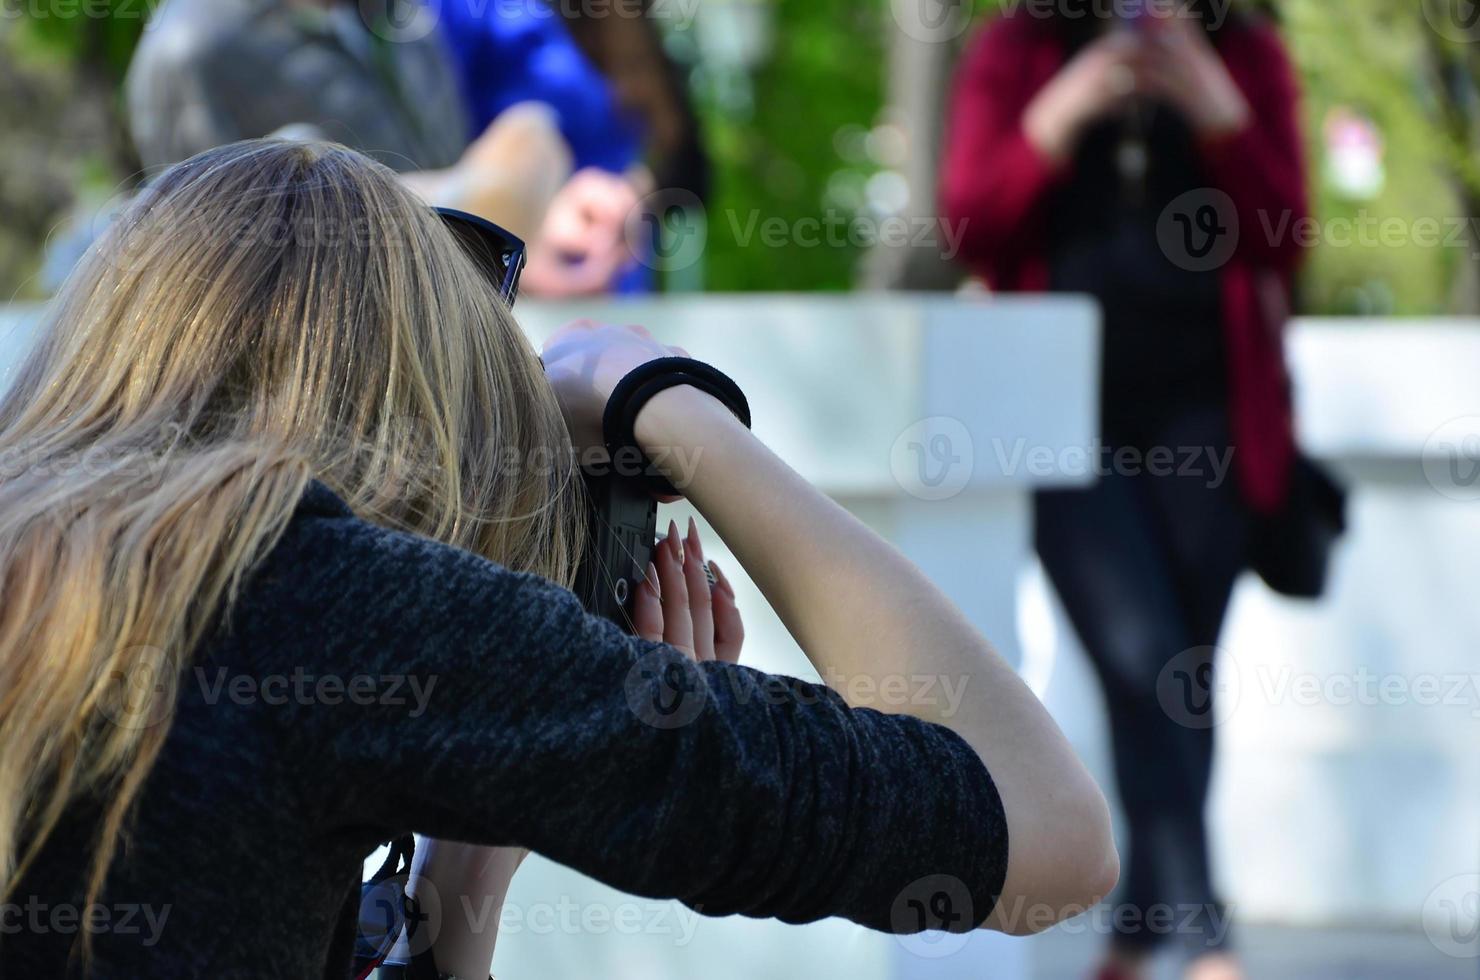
(369,683)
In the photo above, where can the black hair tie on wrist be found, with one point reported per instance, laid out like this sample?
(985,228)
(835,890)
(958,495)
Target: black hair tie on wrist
(640,385)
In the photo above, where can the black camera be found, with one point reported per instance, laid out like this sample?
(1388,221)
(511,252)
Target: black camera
(622,526)
(622,519)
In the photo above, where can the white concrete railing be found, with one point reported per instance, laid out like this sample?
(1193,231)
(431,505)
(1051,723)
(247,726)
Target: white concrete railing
(1326,807)
(1346,788)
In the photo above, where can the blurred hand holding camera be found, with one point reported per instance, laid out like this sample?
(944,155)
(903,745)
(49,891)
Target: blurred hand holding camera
(1099,79)
(1178,65)
(1165,57)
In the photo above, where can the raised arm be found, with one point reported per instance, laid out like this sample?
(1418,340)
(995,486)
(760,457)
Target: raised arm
(525,722)
(859,609)
(1008,142)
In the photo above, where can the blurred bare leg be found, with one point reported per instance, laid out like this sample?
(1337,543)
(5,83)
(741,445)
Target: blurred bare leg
(1214,966)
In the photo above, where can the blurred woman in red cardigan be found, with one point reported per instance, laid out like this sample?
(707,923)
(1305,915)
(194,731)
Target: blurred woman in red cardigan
(1149,156)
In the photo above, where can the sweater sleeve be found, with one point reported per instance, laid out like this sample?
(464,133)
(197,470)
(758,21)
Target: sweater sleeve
(522,720)
(1262,167)
(993,179)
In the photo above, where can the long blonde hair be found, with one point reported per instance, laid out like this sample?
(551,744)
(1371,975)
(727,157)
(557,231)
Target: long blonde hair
(265,314)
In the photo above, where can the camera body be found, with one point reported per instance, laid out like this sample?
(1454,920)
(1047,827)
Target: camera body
(621,531)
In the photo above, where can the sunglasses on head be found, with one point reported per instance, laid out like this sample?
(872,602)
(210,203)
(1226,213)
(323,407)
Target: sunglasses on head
(499,253)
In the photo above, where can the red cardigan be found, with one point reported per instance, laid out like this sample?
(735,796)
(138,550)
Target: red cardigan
(995,184)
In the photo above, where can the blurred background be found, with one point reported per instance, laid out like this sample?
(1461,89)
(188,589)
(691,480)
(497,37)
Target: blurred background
(778,212)
(830,106)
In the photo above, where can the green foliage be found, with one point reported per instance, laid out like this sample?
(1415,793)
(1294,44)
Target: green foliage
(789,137)
(1369,55)
(97,36)
(823,79)
(773,143)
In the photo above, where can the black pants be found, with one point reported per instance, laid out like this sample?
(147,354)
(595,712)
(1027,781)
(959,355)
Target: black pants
(1145,565)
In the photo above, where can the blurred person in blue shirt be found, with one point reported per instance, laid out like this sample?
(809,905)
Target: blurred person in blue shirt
(371,75)
(505,53)
(617,98)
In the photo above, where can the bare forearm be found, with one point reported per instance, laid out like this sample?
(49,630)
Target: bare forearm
(470,884)
(859,609)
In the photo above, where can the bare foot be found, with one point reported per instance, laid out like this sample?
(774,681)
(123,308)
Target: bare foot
(1213,966)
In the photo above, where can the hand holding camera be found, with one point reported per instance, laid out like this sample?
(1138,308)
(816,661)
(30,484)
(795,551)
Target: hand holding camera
(679,604)
(584,361)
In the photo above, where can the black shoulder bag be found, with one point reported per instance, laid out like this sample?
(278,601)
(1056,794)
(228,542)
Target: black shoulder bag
(1291,548)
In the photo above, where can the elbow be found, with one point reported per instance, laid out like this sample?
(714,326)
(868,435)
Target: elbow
(1099,863)
(1066,864)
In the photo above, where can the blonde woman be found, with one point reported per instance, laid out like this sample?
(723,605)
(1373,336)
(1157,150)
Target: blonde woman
(285,520)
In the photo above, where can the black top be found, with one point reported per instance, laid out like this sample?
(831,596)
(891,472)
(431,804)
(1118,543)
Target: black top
(1162,339)
(370,683)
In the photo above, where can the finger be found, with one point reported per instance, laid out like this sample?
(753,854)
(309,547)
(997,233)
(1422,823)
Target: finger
(569,330)
(647,608)
(729,630)
(678,628)
(1155,78)
(700,608)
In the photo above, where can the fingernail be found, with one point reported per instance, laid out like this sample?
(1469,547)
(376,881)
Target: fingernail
(719,576)
(652,579)
(674,545)
(693,540)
